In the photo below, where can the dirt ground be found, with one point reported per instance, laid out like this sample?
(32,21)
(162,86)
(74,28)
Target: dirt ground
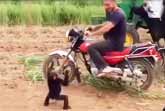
(17,94)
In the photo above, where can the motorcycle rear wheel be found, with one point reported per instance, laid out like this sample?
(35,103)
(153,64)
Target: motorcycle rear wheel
(53,60)
(146,69)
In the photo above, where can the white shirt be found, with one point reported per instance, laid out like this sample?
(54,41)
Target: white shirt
(154,8)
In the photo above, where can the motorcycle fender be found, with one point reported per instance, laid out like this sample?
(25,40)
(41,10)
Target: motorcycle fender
(162,50)
(148,59)
(62,53)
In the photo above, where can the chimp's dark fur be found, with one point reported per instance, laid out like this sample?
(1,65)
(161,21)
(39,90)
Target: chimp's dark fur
(54,85)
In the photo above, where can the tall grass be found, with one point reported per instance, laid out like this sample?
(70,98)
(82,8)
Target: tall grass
(56,13)
(3,15)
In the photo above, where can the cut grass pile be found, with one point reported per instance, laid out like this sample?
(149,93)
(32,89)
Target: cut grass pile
(32,67)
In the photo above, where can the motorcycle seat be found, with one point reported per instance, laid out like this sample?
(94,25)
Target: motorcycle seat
(126,51)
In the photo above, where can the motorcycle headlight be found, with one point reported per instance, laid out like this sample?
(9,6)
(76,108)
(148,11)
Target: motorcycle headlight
(68,37)
(71,34)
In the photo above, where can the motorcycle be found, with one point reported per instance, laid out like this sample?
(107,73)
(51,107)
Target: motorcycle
(136,62)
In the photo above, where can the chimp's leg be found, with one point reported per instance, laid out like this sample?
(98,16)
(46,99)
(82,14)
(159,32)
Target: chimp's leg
(46,103)
(65,99)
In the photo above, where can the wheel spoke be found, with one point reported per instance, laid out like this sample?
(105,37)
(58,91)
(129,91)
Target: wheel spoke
(141,74)
(55,62)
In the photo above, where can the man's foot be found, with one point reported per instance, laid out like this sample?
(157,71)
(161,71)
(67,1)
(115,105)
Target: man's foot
(110,72)
(66,108)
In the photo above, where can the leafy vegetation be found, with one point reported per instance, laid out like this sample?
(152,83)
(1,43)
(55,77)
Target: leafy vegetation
(33,67)
(105,84)
(116,86)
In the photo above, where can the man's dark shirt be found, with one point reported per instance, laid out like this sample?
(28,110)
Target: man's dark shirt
(116,35)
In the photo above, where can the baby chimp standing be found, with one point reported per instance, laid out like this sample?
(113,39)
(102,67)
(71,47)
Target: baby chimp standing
(54,85)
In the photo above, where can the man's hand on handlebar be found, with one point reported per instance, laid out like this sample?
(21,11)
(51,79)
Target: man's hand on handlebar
(88,33)
(90,28)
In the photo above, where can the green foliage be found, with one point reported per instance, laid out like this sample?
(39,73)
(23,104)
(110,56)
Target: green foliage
(55,13)
(14,15)
(35,74)
(33,61)
(33,66)
(80,2)
(105,84)
(47,14)
(112,85)
(3,14)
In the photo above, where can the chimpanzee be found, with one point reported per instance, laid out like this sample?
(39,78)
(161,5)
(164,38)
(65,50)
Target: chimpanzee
(54,85)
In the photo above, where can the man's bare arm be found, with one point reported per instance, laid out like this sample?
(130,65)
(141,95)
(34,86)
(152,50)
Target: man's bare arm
(97,27)
(103,29)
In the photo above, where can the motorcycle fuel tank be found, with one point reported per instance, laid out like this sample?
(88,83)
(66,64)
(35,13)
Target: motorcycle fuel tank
(84,47)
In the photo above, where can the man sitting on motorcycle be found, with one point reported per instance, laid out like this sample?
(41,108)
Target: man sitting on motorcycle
(114,31)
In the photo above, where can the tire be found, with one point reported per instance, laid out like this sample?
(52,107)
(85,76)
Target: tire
(163,57)
(132,36)
(148,68)
(163,62)
(49,61)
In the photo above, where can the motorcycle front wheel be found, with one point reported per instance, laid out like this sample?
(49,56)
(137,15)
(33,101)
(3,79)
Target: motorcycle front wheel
(53,62)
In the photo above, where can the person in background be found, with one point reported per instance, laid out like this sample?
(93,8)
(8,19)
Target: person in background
(152,11)
(154,8)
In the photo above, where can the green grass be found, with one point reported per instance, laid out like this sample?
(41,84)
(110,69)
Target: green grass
(104,84)
(56,13)
(75,2)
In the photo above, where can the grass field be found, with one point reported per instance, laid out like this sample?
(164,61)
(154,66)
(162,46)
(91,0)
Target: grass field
(54,13)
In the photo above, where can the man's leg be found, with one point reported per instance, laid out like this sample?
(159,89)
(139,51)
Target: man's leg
(66,101)
(96,51)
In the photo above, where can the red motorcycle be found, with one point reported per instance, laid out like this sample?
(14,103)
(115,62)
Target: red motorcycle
(136,61)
